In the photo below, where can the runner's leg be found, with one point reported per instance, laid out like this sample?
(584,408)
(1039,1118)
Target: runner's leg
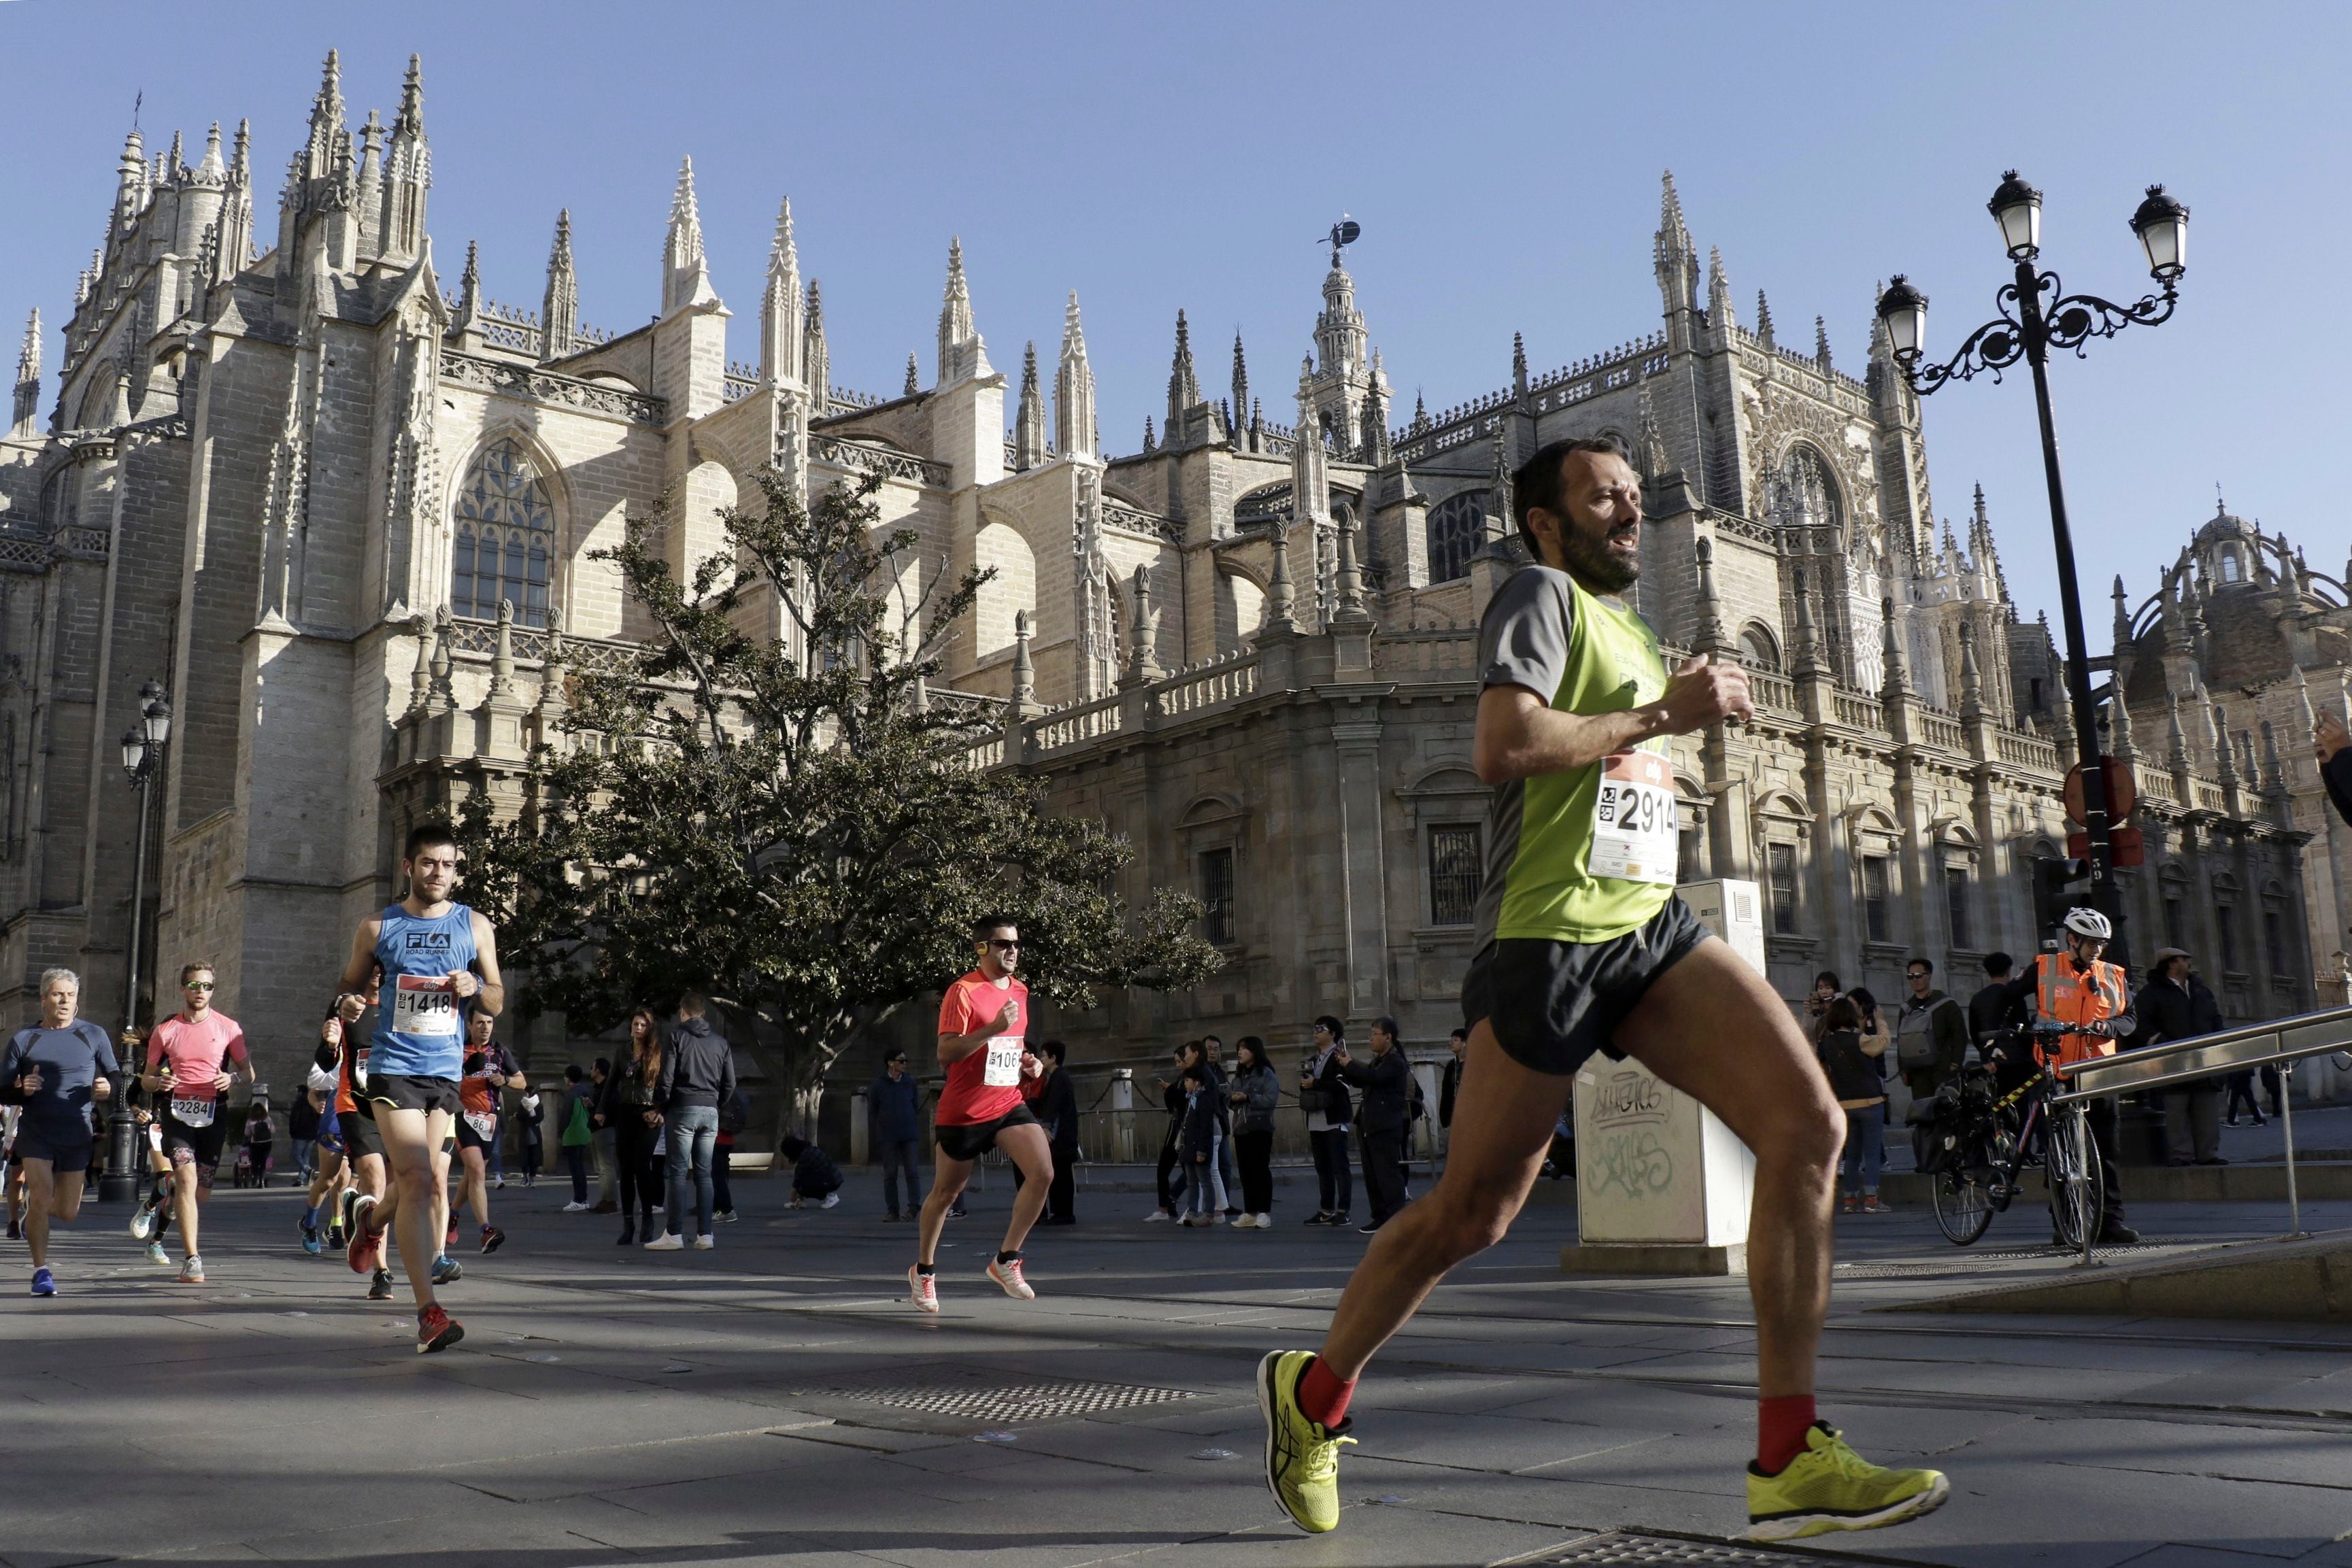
(1502,1117)
(40,1187)
(947,1185)
(475,1187)
(1713,1027)
(411,1142)
(1033,1156)
(189,1187)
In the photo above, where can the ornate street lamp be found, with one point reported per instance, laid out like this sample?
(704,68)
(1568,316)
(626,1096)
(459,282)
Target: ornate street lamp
(2036,315)
(142,758)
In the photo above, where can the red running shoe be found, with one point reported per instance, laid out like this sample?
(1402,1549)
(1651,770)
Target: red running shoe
(362,1251)
(436,1330)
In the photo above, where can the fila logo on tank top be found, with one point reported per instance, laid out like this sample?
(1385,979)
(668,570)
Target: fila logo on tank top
(420,1025)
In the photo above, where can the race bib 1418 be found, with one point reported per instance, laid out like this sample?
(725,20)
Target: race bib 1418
(424,1005)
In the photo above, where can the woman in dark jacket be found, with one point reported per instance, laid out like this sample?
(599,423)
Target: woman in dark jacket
(627,1107)
(1853,1060)
(1172,1173)
(1253,1096)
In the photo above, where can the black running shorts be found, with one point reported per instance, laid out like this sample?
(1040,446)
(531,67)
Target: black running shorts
(362,1137)
(202,1146)
(403,1091)
(467,1138)
(1553,1004)
(970,1141)
(64,1151)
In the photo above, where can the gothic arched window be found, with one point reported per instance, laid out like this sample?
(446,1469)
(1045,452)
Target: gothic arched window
(506,537)
(1804,495)
(1759,650)
(1457,526)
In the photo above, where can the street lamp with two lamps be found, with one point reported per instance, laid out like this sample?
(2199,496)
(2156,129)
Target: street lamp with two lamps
(2036,315)
(142,759)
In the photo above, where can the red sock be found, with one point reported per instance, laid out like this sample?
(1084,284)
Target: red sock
(1781,1427)
(1322,1396)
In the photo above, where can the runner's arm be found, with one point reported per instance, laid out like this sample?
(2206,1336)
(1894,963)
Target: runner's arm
(955,1047)
(490,997)
(1520,735)
(363,957)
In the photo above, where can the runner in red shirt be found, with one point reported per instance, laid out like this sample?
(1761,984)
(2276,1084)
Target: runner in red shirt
(981,1022)
(188,1059)
(490,1067)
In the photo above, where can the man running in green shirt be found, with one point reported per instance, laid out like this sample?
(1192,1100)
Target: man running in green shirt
(1583,946)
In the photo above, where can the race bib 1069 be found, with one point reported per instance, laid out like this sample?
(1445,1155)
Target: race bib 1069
(424,1005)
(1003,1070)
(1634,826)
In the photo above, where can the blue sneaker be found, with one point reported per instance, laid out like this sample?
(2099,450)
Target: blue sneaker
(44,1284)
(447,1269)
(311,1242)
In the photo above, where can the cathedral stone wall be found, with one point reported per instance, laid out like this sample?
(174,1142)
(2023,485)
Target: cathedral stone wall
(249,481)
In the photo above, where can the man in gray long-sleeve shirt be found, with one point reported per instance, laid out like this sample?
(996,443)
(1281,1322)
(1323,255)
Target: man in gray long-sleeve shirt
(698,1076)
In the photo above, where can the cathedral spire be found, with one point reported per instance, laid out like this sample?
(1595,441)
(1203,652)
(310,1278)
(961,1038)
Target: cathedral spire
(1374,447)
(1029,417)
(1183,387)
(1808,661)
(1718,296)
(561,311)
(130,191)
(1518,367)
(1310,493)
(816,361)
(2176,740)
(326,121)
(1241,379)
(211,171)
(2119,726)
(1074,391)
(782,318)
(913,384)
(28,400)
(407,173)
(1677,262)
(962,354)
(1764,321)
(1971,678)
(469,292)
(1709,635)
(686,273)
(1896,683)
(1821,342)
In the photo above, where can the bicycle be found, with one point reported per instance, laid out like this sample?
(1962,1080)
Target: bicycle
(1980,1146)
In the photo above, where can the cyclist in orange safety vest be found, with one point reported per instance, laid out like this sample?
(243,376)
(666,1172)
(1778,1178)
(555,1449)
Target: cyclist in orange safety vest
(2076,987)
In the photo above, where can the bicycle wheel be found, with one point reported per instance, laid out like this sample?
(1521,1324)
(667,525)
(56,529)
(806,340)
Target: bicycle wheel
(1963,1204)
(2078,1190)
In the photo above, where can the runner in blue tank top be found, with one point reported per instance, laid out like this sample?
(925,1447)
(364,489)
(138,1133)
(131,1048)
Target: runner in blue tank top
(439,962)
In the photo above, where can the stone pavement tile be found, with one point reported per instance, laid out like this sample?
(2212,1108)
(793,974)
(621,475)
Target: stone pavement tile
(2178,1556)
(1568,1505)
(18,1556)
(1368,1537)
(182,1507)
(573,1473)
(1493,1443)
(2309,1456)
(1604,1402)
(2319,1381)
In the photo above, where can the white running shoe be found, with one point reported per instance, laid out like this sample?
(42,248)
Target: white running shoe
(923,1290)
(156,1255)
(192,1272)
(1266,1222)
(831,1200)
(668,1241)
(575,1208)
(1008,1275)
(1243,1222)
(704,1243)
(1158,1216)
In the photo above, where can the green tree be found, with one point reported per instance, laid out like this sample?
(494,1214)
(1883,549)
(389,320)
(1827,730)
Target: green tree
(800,836)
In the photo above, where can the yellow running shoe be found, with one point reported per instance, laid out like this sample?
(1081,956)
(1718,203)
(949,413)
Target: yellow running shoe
(1302,1455)
(1829,1487)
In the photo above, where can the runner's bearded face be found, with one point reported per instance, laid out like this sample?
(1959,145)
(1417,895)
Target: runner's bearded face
(1601,535)
(433,875)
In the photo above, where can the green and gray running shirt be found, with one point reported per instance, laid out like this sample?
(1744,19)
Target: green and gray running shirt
(1589,854)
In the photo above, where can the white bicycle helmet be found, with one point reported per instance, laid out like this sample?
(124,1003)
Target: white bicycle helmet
(2086,922)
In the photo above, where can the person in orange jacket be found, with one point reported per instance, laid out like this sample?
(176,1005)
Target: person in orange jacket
(2078,988)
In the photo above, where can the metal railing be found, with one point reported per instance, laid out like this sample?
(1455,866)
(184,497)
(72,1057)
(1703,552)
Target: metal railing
(2279,1042)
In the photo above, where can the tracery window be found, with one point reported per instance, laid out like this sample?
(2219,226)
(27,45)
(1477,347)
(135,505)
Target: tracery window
(506,537)
(1758,650)
(1457,526)
(1804,496)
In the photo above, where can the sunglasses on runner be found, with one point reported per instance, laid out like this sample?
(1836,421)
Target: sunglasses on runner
(196,986)
(1004,944)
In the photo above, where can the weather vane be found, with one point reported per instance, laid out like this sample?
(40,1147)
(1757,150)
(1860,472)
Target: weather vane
(1343,233)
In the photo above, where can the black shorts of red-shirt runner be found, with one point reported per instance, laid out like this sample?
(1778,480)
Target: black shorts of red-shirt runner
(404,1092)
(971,1141)
(204,1143)
(1553,1004)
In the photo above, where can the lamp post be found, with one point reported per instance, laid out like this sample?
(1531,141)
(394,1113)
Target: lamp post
(2035,315)
(142,758)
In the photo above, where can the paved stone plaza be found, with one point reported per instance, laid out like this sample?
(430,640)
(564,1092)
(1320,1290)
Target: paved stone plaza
(773,1403)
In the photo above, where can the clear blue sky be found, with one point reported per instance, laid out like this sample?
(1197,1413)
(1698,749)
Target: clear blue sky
(1502,160)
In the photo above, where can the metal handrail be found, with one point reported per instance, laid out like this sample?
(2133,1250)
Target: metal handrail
(2276,1041)
(2280,1042)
